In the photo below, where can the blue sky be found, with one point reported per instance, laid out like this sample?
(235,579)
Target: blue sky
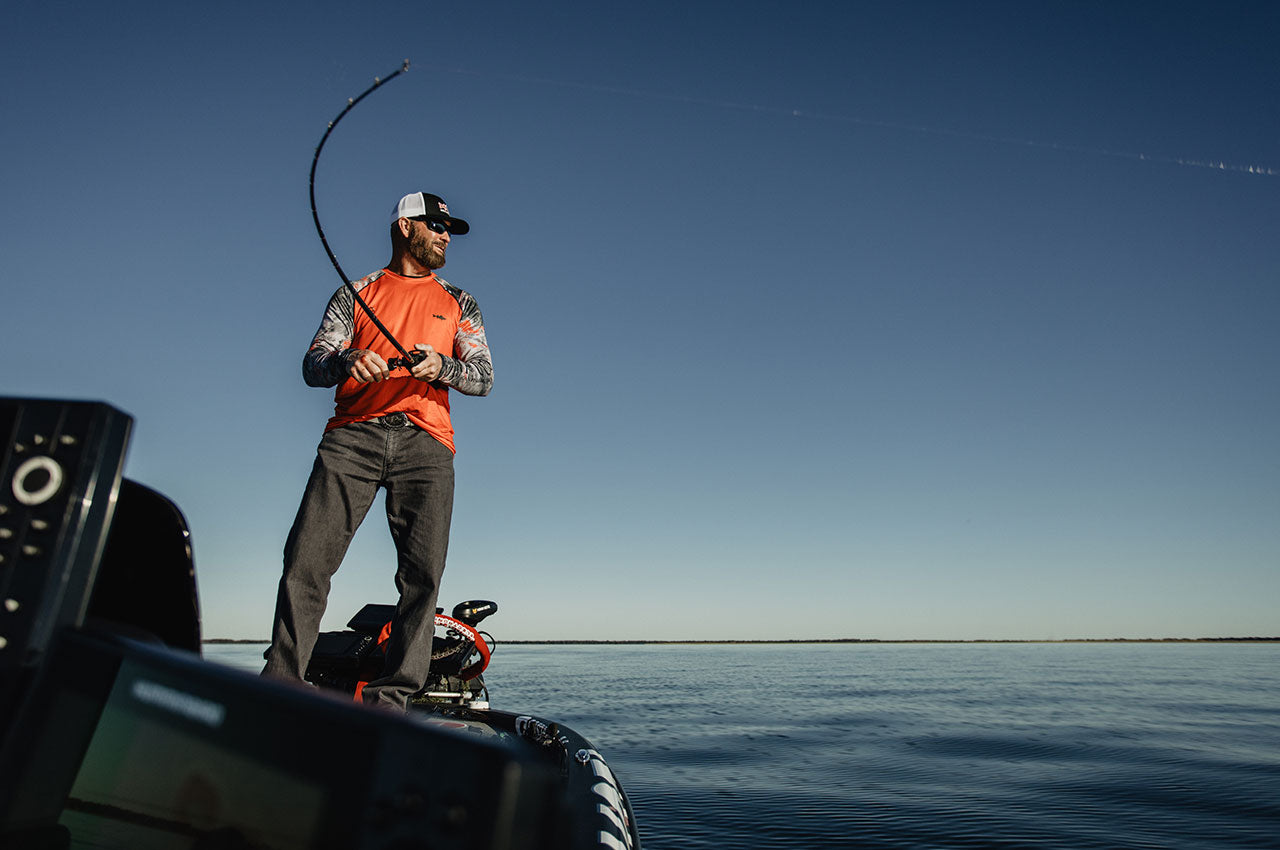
(879,320)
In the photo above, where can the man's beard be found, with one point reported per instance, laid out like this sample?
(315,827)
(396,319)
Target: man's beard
(425,252)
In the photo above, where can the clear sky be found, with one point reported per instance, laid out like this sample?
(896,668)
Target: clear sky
(809,319)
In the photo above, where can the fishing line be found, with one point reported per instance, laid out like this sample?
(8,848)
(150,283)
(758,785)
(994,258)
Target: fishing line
(407,360)
(831,117)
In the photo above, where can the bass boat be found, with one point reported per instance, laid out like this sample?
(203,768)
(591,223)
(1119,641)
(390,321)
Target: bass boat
(116,733)
(456,698)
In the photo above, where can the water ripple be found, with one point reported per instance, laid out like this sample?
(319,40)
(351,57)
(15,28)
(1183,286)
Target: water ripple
(1122,747)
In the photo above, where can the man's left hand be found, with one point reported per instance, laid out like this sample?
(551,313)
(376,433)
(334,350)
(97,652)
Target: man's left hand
(429,368)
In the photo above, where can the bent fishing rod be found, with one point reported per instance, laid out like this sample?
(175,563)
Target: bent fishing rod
(407,360)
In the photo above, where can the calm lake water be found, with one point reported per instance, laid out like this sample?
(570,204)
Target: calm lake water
(919,745)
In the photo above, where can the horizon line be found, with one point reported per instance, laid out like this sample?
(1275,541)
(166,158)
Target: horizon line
(730,641)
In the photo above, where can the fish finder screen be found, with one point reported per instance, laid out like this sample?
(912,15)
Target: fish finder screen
(157,774)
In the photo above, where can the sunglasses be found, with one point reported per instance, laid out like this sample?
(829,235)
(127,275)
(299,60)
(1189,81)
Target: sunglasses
(433,225)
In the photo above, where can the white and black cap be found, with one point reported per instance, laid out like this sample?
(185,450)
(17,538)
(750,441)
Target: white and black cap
(425,205)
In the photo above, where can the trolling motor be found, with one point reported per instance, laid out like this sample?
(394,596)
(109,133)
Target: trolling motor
(346,661)
(472,613)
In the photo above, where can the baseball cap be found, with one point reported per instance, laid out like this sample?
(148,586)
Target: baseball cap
(427,205)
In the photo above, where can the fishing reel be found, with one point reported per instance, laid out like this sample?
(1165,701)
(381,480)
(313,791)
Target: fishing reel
(407,362)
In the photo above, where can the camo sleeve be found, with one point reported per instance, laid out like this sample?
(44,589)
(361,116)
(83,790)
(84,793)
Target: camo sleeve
(325,363)
(470,369)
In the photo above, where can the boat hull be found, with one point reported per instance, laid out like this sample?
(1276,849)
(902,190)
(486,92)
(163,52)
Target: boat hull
(596,807)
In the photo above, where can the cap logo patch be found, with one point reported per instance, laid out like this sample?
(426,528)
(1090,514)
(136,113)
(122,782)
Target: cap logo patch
(444,208)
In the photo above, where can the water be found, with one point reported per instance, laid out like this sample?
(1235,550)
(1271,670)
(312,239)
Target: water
(920,745)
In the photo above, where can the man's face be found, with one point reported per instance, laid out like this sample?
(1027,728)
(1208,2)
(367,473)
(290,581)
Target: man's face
(426,246)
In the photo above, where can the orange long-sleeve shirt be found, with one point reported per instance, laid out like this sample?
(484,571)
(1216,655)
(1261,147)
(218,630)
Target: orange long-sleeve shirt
(416,310)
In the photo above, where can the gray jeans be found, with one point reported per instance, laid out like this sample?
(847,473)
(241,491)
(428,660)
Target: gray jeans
(352,462)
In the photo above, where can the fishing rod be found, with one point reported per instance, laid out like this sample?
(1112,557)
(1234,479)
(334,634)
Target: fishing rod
(407,360)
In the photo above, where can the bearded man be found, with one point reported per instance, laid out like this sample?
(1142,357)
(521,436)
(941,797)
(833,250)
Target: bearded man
(390,429)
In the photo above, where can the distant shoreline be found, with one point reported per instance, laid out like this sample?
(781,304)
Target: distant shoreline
(224,641)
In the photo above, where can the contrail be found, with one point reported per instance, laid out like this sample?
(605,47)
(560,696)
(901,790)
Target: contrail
(1261,170)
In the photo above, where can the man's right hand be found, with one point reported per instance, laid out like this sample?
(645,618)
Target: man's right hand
(367,367)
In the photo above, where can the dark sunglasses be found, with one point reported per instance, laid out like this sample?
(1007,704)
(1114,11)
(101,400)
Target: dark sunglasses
(434,225)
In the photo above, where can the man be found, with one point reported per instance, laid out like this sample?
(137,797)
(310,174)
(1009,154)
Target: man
(390,429)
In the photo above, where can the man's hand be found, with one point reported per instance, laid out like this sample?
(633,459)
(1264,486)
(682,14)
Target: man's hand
(367,367)
(429,368)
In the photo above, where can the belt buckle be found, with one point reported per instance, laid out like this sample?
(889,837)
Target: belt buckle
(397,420)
